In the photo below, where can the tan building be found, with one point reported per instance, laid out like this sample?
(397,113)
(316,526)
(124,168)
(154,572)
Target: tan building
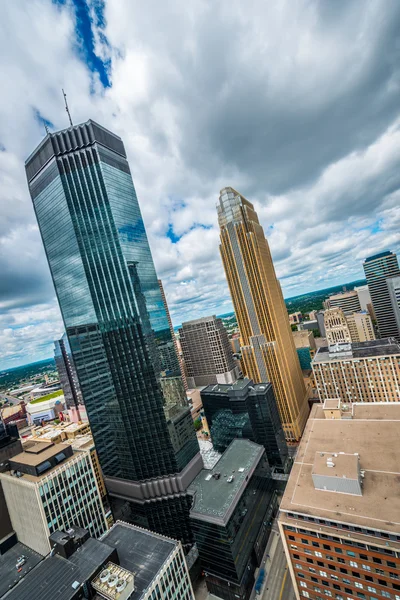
(349,302)
(267,346)
(339,516)
(336,327)
(360,327)
(49,487)
(359,372)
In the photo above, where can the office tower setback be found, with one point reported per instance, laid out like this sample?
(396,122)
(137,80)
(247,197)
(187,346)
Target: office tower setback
(245,410)
(171,328)
(348,301)
(115,321)
(67,373)
(47,487)
(359,372)
(339,514)
(267,347)
(336,328)
(207,352)
(360,327)
(378,269)
(232,510)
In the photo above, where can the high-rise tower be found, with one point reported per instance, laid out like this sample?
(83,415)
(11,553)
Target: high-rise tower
(267,346)
(378,269)
(114,317)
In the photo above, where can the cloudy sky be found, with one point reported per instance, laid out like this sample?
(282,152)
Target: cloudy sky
(294,103)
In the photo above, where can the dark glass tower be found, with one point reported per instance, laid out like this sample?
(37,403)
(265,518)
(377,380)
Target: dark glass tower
(104,277)
(67,373)
(245,410)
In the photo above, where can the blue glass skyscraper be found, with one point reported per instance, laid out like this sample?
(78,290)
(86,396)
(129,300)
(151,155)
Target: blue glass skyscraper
(117,328)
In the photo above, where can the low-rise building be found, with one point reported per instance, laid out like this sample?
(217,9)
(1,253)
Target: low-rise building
(233,506)
(339,517)
(295,318)
(48,487)
(359,372)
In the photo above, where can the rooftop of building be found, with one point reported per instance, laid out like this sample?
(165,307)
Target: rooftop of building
(215,497)
(376,256)
(370,349)
(9,576)
(342,295)
(201,320)
(335,464)
(332,403)
(36,452)
(238,386)
(372,433)
(140,551)
(58,578)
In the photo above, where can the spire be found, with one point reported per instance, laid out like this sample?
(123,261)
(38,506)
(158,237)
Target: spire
(67,109)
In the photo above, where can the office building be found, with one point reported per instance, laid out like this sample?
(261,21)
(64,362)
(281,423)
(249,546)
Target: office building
(378,269)
(267,347)
(158,563)
(207,352)
(348,301)
(127,563)
(336,328)
(393,284)
(173,336)
(245,410)
(364,297)
(339,514)
(360,372)
(67,373)
(47,487)
(233,506)
(114,318)
(360,327)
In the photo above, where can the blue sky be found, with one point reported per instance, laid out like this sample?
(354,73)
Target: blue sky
(295,105)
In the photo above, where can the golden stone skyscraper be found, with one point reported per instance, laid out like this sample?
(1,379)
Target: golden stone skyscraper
(267,345)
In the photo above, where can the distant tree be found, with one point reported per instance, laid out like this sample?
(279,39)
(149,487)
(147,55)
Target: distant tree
(316,333)
(293,327)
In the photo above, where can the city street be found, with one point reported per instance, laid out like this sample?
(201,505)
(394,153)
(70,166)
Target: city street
(277,583)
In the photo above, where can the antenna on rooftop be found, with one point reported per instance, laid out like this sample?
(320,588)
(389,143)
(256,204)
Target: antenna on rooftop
(46,128)
(67,109)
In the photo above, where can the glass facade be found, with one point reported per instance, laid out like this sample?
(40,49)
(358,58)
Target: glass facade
(67,372)
(110,300)
(245,410)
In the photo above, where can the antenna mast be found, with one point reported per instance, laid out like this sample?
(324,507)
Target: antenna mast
(67,109)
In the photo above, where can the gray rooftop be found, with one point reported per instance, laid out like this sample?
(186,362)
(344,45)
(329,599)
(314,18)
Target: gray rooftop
(216,499)
(140,551)
(384,347)
(9,575)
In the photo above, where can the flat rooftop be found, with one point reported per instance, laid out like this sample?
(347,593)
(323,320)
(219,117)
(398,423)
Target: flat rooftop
(384,347)
(33,455)
(373,433)
(332,403)
(344,465)
(140,551)
(216,499)
(224,388)
(9,575)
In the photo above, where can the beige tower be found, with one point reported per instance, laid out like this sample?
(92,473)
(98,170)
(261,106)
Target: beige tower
(336,327)
(267,345)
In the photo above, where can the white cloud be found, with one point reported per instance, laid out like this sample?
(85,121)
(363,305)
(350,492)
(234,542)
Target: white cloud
(293,104)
